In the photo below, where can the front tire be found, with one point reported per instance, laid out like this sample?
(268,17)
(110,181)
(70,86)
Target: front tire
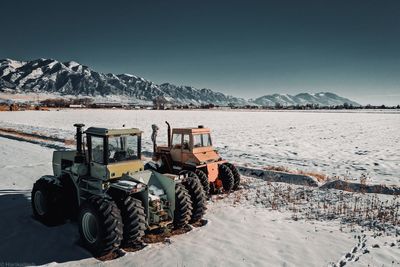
(226,176)
(197,196)
(183,206)
(100,226)
(203,180)
(134,220)
(46,199)
(236,175)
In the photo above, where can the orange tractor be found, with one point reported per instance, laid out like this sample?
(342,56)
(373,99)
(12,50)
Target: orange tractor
(190,151)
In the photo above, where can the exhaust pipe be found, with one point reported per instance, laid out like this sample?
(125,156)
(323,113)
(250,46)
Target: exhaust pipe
(154,138)
(80,157)
(169,134)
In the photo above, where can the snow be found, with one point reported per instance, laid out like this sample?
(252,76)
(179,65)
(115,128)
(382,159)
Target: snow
(71,64)
(347,145)
(15,63)
(156,191)
(12,65)
(51,64)
(242,229)
(36,73)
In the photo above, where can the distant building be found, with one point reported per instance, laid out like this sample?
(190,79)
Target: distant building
(77,106)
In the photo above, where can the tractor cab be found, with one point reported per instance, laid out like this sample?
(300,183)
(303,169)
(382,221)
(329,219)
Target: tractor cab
(192,145)
(113,152)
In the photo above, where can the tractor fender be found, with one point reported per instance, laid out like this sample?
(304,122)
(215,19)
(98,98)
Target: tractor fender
(51,178)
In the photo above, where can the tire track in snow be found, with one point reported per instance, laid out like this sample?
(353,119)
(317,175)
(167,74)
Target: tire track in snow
(355,253)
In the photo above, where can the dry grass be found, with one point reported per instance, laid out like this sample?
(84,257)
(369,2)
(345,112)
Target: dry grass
(277,168)
(4,108)
(162,235)
(319,176)
(371,211)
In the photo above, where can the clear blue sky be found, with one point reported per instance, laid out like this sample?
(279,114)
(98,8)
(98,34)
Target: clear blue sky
(243,48)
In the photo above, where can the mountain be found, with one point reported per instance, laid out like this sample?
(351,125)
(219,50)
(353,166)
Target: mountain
(321,99)
(73,79)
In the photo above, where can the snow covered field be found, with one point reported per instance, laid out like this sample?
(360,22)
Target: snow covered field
(263,224)
(348,145)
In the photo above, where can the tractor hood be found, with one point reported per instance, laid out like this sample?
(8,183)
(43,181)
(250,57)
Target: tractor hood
(117,170)
(205,155)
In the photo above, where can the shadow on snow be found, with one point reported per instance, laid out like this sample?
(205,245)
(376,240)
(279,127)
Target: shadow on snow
(25,241)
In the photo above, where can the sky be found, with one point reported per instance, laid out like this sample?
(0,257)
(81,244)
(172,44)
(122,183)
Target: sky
(243,48)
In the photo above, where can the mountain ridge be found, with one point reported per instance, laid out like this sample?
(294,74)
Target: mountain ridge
(71,78)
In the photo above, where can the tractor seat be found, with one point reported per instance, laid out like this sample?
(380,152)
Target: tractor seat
(120,155)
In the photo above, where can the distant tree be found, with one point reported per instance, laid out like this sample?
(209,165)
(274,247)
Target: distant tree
(56,102)
(159,102)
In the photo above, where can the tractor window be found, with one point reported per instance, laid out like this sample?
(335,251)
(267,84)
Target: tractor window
(176,140)
(201,140)
(123,148)
(185,143)
(197,142)
(206,140)
(97,149)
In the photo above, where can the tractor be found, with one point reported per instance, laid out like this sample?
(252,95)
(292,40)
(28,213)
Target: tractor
(104,186)
(190,152)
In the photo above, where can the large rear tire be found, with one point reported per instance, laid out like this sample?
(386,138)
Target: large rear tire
(236,175)
(46,199)
(100,225)
(134,220)
(197,196)
(203,178)
(183,206)
(226,176)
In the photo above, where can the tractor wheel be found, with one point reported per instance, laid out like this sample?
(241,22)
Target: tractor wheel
(183,206)
(213,189)
(226,176)
(203,180)
(134,220)
(236,175)
(197,196)
(47,202)
(100,225)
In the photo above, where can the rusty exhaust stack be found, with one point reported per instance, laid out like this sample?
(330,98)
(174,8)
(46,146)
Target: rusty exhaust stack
(169,133)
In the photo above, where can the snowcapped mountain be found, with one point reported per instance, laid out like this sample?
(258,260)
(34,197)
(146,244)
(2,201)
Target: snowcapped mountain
(321,99)
(73,79)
